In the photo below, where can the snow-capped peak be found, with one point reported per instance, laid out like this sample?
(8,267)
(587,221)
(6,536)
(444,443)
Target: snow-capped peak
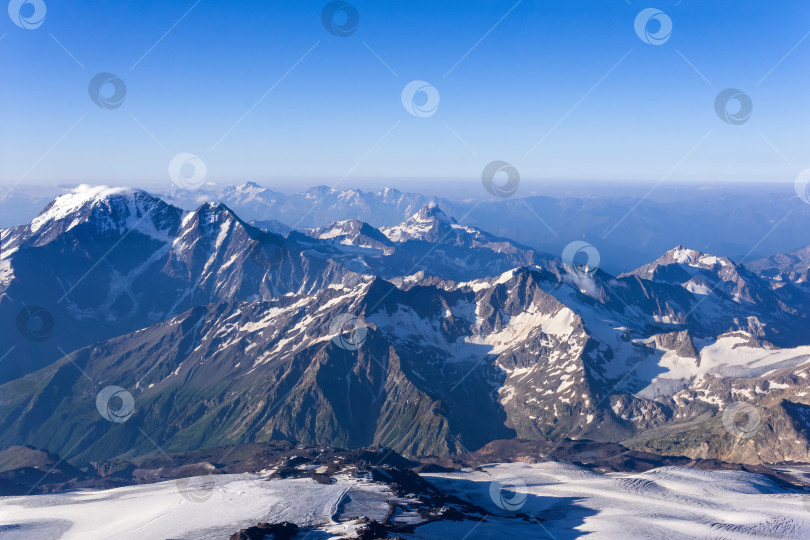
(429,223)
(388,193)
(692,257)
(701,274)
(430,212)
(682,255)
(215,212)
(686,259)
(77,204)
(248,190)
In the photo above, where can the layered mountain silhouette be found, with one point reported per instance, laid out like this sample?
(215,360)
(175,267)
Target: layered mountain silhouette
(632,228)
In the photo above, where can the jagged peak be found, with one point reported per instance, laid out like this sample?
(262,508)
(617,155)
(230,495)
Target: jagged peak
(686,262)
(212,206)
(209,213)
(215,211)
(334,227)
(342,222)
(431,211)
(692,257)
(389,192)
(683,256)
(348,228)
(211,219)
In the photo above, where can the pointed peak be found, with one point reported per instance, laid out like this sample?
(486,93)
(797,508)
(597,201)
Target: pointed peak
(249,188)
(389,192)
(348,228)
(214,208)
(431,211)
(214,212)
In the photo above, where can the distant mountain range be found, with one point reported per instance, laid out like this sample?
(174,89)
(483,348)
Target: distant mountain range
(424,335)
(742,223)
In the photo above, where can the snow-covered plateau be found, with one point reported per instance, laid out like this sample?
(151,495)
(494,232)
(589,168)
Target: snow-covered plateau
(545,500)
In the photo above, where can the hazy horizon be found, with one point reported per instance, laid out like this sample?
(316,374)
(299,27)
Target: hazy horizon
(460,188)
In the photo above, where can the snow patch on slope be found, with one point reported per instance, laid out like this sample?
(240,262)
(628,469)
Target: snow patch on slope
(729,356)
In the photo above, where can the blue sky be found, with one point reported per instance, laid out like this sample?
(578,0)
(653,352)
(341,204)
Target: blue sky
(574,74)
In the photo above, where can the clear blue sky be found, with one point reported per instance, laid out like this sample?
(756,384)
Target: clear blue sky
(328,118)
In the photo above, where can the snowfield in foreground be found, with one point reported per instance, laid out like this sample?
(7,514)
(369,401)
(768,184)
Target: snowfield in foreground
(668,502)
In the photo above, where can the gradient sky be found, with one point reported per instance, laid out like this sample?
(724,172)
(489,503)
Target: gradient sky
(544,72)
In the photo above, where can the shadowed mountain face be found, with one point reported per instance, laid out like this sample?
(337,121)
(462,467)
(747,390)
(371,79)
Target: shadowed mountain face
(793,266)
(104,262)
(429,337)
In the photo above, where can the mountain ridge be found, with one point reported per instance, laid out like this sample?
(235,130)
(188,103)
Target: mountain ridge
(227,333)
